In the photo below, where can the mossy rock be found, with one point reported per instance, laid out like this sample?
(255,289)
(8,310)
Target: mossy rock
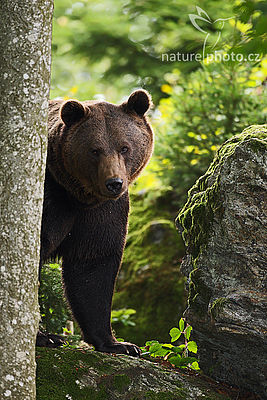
(204,200)
(223,225)
(83,374)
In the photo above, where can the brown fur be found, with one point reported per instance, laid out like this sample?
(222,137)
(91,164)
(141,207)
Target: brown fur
(84,221)
(104,127)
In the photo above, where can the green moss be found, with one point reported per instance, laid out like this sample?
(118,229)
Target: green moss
(83,374)
(150,395)
(177,395)
(195,217)
(121,382)
(203,200)
(60,373)
(197,214)
(217,306)
(79,375)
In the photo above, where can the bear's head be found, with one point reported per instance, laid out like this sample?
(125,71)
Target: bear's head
(96,149)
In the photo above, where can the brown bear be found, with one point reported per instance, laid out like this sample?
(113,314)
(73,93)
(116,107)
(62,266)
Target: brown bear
(95,150)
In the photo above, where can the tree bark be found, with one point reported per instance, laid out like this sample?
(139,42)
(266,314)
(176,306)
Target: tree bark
(25,55)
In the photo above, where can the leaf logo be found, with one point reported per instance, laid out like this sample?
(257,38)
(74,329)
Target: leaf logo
(194,17)
(203,16)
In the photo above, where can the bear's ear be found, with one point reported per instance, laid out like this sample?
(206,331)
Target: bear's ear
(139,101)
(71,111)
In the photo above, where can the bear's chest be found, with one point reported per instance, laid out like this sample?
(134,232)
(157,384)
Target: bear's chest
(98,231)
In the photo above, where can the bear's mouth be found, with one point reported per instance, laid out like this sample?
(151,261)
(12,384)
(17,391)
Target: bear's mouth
(101,197)
(109,196)
(101,194)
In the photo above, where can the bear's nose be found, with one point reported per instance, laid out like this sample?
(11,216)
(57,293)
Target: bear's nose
(114,185)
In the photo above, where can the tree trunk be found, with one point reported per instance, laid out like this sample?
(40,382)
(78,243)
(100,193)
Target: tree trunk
(25,51)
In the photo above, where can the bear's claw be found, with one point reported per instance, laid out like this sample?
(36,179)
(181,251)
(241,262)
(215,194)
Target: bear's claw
(49,340)
(120,348)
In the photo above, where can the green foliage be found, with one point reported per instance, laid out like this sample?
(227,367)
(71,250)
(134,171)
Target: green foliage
(132,35)
(72,341)
(111,47)
(204,109)
(177,355)
(253,27)
(175,333)
(123,316)
(53,308)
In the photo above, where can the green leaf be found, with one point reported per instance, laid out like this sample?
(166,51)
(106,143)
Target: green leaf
(181,324)
(157,350)
(130,323)
(54,266)
(192,346)
(175,333)
(177,349)
(155,347)
(167,346)
(150,342)
(187,332)
(179,361)
(161,352)
(188,360)
(195,366)
(175,360)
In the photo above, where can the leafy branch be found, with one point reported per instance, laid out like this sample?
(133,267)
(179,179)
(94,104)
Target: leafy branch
(176,355)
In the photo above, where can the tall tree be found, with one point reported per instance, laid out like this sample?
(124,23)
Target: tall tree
(25,49)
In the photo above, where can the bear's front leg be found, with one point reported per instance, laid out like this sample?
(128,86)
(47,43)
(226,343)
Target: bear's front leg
(89,288)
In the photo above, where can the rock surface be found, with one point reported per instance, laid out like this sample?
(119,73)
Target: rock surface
(83,374)
(223,225)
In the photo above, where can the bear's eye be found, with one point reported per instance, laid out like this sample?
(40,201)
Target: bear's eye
(95,152)
(124,150)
